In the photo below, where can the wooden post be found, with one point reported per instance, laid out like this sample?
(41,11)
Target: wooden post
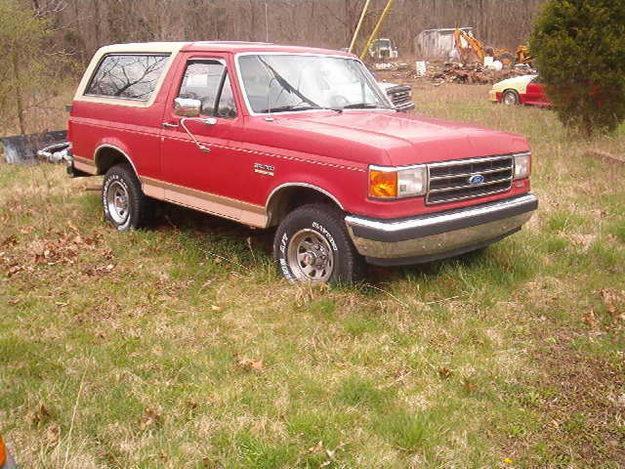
(362,17)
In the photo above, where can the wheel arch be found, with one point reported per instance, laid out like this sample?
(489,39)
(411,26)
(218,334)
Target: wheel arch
(288,196)
(108,155)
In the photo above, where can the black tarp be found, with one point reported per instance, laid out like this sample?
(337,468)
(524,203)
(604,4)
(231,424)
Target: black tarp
(22,149)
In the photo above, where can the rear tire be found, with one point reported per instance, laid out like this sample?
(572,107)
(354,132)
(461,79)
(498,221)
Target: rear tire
(125,205)
(312,245)
(510,98)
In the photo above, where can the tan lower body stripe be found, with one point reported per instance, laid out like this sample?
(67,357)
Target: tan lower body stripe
(244,212)
(85,164)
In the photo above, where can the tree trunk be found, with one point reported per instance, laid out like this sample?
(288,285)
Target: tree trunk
(96,22)
(19,103)
(252,14)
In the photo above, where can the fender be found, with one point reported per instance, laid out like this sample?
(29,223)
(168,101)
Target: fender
(306,185)
(271,199)
(114,144)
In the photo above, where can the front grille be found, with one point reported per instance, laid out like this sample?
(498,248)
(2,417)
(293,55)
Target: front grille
(451,181)
(401,97)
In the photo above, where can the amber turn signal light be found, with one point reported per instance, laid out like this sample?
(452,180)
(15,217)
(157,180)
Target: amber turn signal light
(382,184)
(3,453)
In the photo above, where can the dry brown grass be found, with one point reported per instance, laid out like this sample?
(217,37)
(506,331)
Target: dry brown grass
(187,349)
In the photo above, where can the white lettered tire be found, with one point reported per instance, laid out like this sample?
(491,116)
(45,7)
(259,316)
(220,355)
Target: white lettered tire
(312,245)
(125,205)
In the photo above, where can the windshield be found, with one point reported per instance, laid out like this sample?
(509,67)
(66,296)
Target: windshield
(281,83)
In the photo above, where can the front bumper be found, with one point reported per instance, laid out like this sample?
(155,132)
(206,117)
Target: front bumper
(440,235)
(492,96)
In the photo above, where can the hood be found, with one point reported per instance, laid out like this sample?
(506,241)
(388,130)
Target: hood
(386,138)
(515,83)
(385,85)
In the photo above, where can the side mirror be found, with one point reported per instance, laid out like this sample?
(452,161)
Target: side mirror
(187,107)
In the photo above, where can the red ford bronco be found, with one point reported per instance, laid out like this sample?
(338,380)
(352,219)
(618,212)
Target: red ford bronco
(295,138)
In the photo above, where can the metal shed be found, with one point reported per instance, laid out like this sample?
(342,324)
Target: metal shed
(437,44)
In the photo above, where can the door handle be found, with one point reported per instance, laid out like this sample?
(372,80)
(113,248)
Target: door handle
(169,125)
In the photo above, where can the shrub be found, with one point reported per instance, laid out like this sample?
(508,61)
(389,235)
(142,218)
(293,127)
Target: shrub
(579,49)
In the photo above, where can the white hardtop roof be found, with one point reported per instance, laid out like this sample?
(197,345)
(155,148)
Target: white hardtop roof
(174,46)
(143,47)
(234,46)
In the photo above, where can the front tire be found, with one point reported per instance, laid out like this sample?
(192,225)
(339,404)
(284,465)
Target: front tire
(312,245)
(125,205)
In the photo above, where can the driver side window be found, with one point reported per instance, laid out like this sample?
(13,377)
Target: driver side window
(208,82)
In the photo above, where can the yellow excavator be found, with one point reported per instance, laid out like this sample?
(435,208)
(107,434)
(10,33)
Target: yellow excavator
(470,49)
(524,55)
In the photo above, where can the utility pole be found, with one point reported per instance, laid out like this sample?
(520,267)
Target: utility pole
(375,31)
(362,17)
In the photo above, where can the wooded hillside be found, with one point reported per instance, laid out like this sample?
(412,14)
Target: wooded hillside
(45,44)
(83,25)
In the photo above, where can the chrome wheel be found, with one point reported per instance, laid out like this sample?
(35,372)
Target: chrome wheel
(310,256)
(117,202)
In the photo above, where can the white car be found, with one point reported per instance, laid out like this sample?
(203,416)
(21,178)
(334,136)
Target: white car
(524,89)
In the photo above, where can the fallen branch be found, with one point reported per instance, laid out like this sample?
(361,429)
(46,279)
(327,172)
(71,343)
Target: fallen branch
(605,156)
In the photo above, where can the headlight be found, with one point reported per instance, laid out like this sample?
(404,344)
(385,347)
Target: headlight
(394,183)
(522,165)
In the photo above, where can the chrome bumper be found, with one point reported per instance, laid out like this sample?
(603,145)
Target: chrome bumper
(439,235)
(57,153)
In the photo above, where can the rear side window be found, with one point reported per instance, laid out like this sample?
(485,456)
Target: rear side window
(127,76)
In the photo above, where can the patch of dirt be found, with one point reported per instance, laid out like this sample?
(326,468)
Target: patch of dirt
(583,400)
(56,248)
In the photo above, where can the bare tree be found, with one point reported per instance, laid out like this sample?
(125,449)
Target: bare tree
(324,23)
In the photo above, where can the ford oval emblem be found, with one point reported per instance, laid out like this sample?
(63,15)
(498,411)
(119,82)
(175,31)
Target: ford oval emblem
(476,180)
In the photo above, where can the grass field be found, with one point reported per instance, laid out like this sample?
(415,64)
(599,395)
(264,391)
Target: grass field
(182,347)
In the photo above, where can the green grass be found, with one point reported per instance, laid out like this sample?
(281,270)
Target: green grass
(182,346)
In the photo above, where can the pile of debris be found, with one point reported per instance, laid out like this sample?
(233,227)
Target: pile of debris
(24,149)
(389,66)
(469,74)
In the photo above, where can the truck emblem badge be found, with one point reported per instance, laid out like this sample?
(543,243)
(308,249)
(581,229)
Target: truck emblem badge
(266,169)
(476,180)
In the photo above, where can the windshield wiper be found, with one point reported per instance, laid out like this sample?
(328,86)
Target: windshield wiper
(285,84)
(361,106)
(287,108)
(291,89)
